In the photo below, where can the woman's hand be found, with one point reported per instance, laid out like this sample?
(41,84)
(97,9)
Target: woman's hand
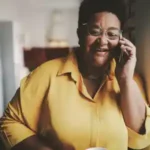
(131,100)
(125,68)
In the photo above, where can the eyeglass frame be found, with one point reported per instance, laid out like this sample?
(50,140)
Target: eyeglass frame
(86,24)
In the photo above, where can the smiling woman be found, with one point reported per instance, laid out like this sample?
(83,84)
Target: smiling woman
(88,99)
(99,43)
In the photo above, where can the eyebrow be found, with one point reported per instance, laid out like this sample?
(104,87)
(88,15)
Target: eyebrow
(114,28)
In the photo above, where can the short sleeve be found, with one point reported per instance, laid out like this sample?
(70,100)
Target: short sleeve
(138,141)
(135,140)
(21,116)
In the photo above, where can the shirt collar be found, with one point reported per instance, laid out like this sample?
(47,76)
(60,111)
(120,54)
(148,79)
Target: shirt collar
(70,65)
(111,71)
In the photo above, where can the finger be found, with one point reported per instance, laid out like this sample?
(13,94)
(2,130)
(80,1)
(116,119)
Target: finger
(123,42)
(124,49)
(128,50)
(127,42)
(120,36)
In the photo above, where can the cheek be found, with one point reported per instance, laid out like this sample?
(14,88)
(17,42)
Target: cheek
(89,40)
(113,44)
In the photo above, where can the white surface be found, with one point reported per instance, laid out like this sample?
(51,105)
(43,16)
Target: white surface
(20,70)
(7,60)
(34,16)
(1,88)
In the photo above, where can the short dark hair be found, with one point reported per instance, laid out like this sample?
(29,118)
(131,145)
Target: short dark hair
(90,7)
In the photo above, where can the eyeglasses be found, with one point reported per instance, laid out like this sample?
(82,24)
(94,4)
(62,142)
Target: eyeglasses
(111,33)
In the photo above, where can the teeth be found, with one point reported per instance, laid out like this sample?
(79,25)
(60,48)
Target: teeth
(102,50)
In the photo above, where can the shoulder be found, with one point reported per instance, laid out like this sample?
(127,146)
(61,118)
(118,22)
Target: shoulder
(52,66)
(44,73)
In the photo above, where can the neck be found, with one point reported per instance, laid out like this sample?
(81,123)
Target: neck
(90,71)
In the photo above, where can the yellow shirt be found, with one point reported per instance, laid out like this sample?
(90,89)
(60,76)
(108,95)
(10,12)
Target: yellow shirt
(53,102)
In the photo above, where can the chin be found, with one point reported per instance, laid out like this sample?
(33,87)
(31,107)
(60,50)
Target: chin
(100,62)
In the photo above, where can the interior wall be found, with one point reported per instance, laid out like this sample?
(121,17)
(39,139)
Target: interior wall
(35,18)
(1,87)
(7,60)
(143,40)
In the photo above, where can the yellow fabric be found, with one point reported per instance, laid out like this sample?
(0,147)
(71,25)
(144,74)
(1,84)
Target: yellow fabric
(54,103)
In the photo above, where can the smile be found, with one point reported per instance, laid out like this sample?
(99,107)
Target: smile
(101,53)
(102,50)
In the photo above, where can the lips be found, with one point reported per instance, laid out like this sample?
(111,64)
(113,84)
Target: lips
(102,50)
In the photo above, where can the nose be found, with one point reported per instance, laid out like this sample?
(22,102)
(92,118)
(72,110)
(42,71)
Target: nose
(102,39)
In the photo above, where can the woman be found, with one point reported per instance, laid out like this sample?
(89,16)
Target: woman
(89,99)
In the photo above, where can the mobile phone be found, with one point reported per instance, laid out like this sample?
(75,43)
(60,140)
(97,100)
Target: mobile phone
(118,53)
(121,52)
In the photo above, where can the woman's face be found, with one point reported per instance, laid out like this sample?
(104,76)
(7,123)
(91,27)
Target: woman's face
(98,49)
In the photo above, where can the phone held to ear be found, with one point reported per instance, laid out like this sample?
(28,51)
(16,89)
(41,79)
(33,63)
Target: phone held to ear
(118,52)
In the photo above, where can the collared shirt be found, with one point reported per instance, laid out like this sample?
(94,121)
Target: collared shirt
(53,102)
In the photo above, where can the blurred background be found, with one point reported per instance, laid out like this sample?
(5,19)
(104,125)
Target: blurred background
(35,31)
